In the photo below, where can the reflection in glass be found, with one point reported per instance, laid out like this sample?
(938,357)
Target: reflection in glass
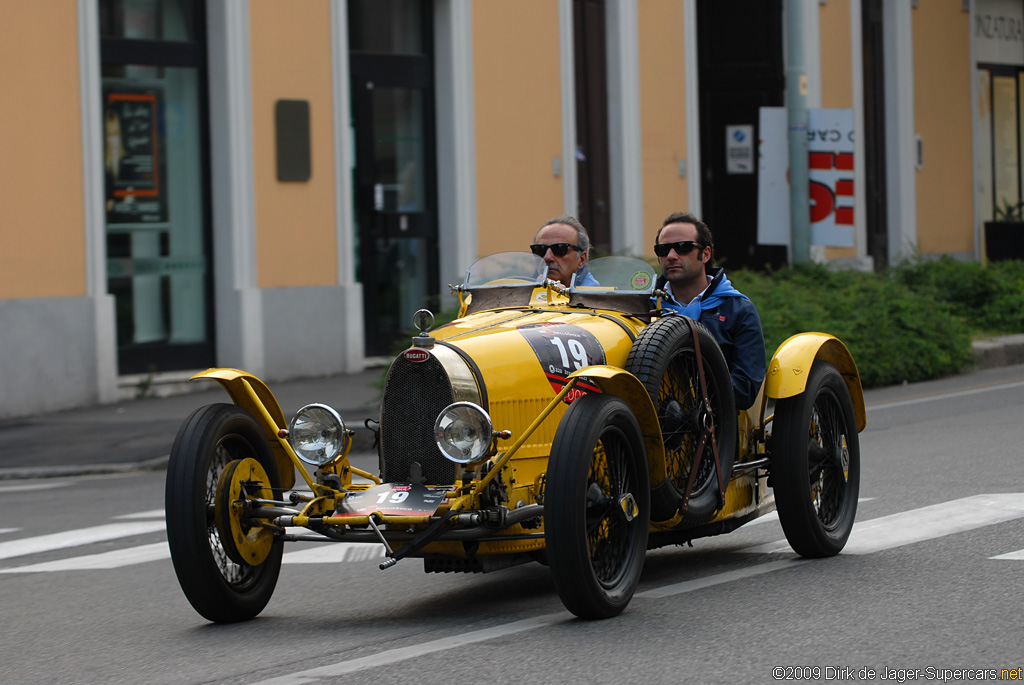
(156,262)
(399,296)
(398,149)
(1004,129)
(389,26)
(170,20)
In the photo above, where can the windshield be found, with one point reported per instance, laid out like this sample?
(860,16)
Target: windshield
(505,269)
(616,274)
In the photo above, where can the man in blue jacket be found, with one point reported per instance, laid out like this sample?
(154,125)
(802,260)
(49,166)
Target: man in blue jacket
(684,246)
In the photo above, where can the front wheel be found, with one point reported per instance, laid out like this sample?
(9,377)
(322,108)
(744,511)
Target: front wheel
(218,587)
(597,506)
(816,464)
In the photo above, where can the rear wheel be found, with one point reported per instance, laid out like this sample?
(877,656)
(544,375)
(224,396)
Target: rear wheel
(218,587)
(597,506)
(816,464)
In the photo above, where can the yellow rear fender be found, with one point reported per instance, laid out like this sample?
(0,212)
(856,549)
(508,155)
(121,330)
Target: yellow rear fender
(627,387)
(262,404)
(791,364)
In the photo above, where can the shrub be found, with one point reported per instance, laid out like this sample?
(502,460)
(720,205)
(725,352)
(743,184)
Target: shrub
(990,299)
(895,333)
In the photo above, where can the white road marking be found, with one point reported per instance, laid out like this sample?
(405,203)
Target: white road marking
(392,656)
(34,486)
(106,560)
(9,530)
(870,536)
(946,395)
(917,525)
(151,514)
(1016,556)
(77,538)
(774,514)
(333,552)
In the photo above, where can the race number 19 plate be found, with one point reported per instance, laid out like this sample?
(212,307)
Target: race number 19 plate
(395,499)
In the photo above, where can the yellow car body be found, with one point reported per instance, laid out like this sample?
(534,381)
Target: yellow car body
(541,486)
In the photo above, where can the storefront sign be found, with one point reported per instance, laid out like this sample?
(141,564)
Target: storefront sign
(999,31)
(134,156)
(830,172)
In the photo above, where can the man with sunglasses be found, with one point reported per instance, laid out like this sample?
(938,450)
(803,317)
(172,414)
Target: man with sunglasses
(684,247)
(563,244)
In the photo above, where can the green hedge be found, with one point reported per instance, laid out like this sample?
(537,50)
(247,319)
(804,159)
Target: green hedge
(911,323)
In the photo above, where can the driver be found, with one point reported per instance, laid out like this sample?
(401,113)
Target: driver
(684,246)
(563,244)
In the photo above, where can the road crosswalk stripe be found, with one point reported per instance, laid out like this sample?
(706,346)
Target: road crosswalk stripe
(873,535)
(151,514)
(333,552)
(77,538)
(106,560)
(917,525)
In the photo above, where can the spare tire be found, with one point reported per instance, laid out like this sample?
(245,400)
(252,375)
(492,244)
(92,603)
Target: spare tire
(664,359)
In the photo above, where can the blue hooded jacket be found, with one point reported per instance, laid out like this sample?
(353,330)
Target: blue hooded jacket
(733,320)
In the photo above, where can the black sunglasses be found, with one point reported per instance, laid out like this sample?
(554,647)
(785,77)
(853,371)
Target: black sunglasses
(557,249)
(683,247)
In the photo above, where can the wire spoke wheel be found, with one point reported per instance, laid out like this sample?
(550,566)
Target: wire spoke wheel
(664,360)
(219,588)
(680,406)
(597,506)
(815,459)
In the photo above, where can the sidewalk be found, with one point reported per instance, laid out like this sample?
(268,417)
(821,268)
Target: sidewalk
(138,434)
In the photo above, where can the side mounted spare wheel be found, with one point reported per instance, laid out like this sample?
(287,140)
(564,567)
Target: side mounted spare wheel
(664,359)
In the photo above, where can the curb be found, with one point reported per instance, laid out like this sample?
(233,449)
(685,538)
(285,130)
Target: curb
(154,464)
(1007,350)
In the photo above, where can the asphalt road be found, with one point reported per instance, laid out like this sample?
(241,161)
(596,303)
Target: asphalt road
(919,587)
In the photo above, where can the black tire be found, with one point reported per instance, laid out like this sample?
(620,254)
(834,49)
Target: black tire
(664,359)
(815,464)
(220,589)
(595,553)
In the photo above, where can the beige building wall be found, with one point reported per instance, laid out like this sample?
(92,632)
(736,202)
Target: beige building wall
(42,240)
(836,74)
(518,115)
(942,117)
(290,45)
(836,54)
(662,112)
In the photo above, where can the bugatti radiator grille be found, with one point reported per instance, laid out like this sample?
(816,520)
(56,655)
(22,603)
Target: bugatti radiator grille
(414,394)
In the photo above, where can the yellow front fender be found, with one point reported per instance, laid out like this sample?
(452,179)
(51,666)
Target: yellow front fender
(791,364)
(235,382)
(628,387)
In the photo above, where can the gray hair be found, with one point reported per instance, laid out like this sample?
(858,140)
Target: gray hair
(582,238)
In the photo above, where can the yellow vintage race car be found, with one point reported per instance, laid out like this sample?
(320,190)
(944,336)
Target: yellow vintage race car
(575,427)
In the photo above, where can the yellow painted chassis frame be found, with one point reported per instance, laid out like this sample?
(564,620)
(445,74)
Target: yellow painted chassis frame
(746,495)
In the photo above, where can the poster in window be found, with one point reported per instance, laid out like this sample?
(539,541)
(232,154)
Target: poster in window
(134,159)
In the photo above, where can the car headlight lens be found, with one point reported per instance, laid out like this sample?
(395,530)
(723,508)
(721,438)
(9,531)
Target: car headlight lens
(317,434)
(463,432)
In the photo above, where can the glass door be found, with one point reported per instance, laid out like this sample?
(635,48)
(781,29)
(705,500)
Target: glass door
(393,122)
(157,216)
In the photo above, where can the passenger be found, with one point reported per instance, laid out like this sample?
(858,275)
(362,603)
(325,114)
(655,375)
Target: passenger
(684,246)
(563,244)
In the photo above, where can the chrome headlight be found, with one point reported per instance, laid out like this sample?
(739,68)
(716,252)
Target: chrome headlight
(463,432)
(317,434)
